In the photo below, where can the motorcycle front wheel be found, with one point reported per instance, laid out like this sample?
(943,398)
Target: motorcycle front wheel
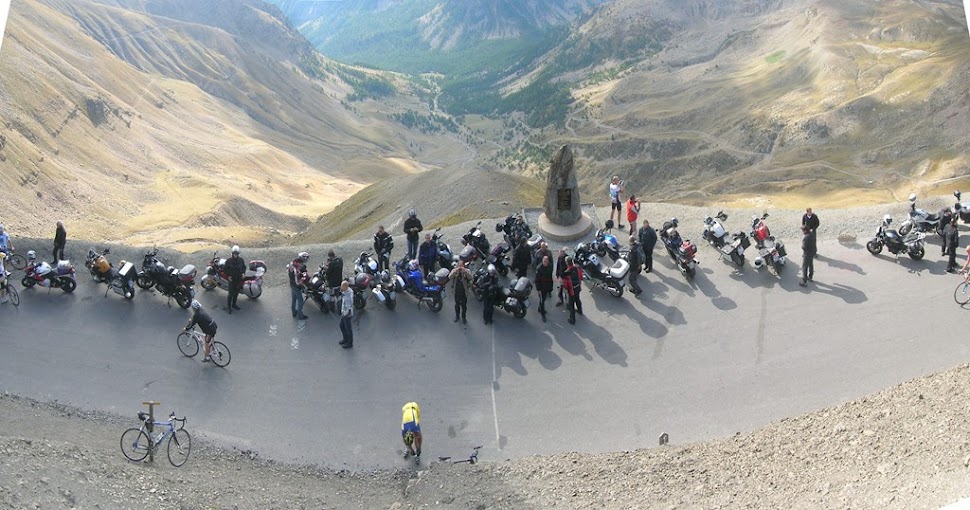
(208,283)
(917,252)
(183,299)
(27,282)
(874,247)
(737,259)
(145,282)
(519,312)
(68,284)
(359,301)
(129,293)
(905,229)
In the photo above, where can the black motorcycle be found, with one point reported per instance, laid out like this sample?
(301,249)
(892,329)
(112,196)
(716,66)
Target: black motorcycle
(121,280)
(514,299)
(612,278)
(446,258)
(911,243)
(499,258)
(476,245)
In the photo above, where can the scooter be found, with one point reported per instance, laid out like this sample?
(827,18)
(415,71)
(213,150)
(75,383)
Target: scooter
(252,281)
(911,244)
(714,232)
(612,278)
(771,251)
(44,275)
(921,220)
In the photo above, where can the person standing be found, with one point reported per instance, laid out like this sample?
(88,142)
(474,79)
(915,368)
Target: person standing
(543,251)
(6,246)
(383,244)
(346,314)
(544,283)
(616,203)
(632,211)
(412,227)
(951,234)
(648,239)
(560,271)
(520,258)
(488,283)
(428,254)
(298,277)
(635,258)
(810,220)
(461,279)
(60,241)
(335,275)
(808,255)
(572,281)
(235,268)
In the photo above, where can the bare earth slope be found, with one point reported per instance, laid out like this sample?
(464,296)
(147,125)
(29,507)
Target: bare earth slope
(905,447)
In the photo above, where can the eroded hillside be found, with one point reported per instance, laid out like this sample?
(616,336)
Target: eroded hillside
(182,123)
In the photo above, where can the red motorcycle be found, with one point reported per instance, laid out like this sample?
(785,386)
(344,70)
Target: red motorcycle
(252,281)
(61,277)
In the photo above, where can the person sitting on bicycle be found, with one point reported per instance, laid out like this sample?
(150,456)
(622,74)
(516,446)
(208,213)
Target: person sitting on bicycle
(411,429)
(5,245)
(205,323)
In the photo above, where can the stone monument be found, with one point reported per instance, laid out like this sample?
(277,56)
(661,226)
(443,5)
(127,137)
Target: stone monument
(563,219)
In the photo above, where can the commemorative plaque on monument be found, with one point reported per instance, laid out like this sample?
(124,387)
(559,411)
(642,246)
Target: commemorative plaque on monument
(563,219)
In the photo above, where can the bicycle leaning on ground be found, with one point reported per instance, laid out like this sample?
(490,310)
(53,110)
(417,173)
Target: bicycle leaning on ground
(190,341)
(136,444)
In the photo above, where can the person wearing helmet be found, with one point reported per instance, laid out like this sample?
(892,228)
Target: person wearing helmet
(411,430)
(412,227)
(235,269)
(572,281)
(488,285)
(383,244)
(60,241)
(297,272)
(461,279)
(6,246)
(208,326)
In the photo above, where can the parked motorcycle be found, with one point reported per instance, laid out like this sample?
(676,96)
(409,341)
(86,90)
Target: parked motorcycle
(771,251)
(921,219)
(476,246)
(383,286)
(499,258)
(252,281)
(121,280)
(714,232)
(612,278)
(446,258)
(514,299)
(427,289)
(735,250)
(605,243)
(963,209)
(912,244)
(682,251)
(316,290)
(177,284)
(42,274)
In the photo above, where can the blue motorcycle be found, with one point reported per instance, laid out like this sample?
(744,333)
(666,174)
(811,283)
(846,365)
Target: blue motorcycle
(427,289)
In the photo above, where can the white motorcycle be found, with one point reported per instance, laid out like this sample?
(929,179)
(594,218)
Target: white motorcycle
(714,231)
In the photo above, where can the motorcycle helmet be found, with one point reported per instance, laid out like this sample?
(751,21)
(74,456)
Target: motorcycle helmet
(1,229)
(912,198)
(581,247)
(609,224)
(372,265)
(674,221)
(31,255)
(413,265)
(412,213)
(196,305)
(304,256)
(887,219)
(491,269)
(235,249)
(759,262)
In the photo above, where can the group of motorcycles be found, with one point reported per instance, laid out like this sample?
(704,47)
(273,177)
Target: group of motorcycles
(910,239)
(771,251)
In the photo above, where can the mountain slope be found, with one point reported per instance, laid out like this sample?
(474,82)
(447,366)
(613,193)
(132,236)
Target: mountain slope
(141,118)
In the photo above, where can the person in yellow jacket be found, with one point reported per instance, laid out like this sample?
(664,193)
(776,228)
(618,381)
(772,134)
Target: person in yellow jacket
(411,430)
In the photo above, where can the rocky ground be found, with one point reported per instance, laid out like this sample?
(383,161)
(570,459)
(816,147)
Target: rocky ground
(905,447)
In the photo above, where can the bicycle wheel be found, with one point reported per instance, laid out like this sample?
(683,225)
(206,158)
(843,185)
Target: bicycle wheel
(179,446)
(219,354)
(17,261)
(187,344)
(13,295)
(135,444)
(962,293)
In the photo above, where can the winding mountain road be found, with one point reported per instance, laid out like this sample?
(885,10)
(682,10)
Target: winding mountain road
(729,352)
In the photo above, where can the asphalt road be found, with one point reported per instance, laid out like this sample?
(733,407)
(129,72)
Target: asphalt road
(729,352)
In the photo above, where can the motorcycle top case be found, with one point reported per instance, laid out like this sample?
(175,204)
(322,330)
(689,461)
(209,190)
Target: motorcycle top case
(127,270)
(255,265)
(745,242)
(441,277)
(688,248)
(620,269)
(467,253)
(780,247)
(63,267)
(522,286)
(187,273)
(362,280)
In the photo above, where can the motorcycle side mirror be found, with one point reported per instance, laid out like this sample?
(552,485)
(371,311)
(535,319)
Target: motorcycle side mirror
(765,215)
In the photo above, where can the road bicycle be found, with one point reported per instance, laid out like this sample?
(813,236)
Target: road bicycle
(138,443)
(472,459)
(191,341)
(16,260)
(962,293)
(9,290)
